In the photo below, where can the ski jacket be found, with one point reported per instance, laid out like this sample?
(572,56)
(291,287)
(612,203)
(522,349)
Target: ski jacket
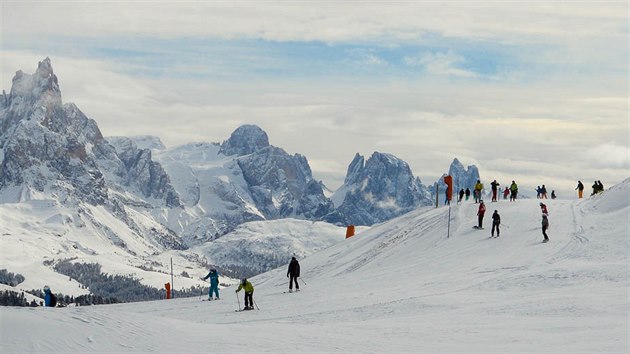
(478,186)
(214,277)
(47,298)
(580,186)
(513,187)
(249,288)
(294,268)
(467,191)
(494,185)
(482,209)
(496,218)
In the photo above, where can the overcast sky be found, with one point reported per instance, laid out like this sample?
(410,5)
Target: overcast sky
(530,91)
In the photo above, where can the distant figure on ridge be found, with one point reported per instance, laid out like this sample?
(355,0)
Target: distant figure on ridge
(477,192)
(214,283)
(513,191)
(543,192)
(553,194)
(543,208)
(461,195)
(538,192)
(506,192)
(467,193)
(580,189)
(495,188)
(293,273)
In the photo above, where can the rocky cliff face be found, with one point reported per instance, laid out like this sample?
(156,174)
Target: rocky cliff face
(54,149)
(379,189)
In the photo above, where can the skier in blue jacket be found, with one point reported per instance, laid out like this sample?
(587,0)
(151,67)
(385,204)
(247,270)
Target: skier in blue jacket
(214,283)
(49,299)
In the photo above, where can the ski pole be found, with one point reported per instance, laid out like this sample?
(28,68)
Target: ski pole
(302,281)
(255,304)
(239,301)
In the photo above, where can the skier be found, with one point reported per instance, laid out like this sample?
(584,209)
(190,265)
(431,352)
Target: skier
(249,293)
(461,195)
(545,226)
(513,191)
(553,194)
(214,283)
(477,193)
(600,186)
(506,192)
(293,274)
(595,187)
(580,189)
(496,221)
(495,186)
(543,208)
(543,192)
(480,213)
(538,192)
(50,300)
(467,193)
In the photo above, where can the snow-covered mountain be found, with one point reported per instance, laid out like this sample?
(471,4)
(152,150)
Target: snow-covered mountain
(379,189)
(401,286)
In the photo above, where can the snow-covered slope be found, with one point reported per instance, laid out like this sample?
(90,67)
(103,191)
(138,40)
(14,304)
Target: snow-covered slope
(402,286)
(264,245)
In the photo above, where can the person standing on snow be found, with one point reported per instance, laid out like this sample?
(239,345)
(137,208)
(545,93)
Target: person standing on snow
(495,187)
(496,221)
(50,300)
(467,193)
(538,192)
(553,194)
(595,187)
(461,195)
(477,193)
(545,226)
(480,212)
(293,273)
(506,192)
(513,191)
(580,189)
(249,293)
(543,192)
(600,186)
(214,283)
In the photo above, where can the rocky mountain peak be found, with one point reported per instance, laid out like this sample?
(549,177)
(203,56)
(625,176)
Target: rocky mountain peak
(245,140)
(379,189)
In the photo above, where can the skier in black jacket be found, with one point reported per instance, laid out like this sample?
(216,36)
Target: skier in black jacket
(496,221)
(293,273)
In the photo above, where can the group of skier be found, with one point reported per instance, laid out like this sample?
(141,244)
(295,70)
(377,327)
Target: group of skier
(496,220)
(293,273)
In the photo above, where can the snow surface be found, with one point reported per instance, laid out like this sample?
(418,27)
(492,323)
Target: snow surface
(401,286)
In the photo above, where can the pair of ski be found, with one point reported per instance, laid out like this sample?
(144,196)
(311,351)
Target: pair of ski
(243,310)
(290,292)
(210,299)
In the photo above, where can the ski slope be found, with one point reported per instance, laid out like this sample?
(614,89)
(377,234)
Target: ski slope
(401,286)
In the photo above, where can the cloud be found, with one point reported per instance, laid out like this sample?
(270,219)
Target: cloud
(440,63)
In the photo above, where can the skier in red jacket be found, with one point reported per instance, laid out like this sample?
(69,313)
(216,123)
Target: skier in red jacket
(480,213)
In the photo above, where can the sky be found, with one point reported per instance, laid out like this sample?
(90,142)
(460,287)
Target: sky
(532,91)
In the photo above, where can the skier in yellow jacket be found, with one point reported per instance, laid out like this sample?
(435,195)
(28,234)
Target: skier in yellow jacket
(249,293)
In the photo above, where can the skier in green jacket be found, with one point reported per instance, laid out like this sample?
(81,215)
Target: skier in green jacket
(249,293)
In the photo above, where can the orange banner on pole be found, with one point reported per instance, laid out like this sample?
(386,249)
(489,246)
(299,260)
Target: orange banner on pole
(449,187)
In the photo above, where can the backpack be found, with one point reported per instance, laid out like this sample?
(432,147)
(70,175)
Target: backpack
(53,300)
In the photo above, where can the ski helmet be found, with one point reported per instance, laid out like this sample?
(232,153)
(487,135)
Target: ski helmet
(46,288)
